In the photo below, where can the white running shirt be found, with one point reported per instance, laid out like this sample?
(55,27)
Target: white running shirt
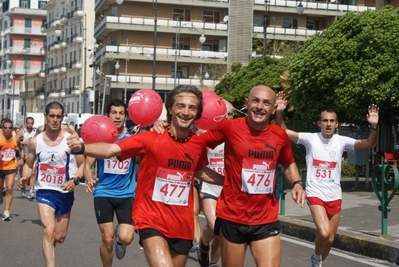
(54,164)
(216,163)
(323,164)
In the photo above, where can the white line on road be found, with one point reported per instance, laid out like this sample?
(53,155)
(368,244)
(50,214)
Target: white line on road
(336,253)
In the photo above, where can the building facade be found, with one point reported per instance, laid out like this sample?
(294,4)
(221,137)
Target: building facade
(68,79)
(20,52)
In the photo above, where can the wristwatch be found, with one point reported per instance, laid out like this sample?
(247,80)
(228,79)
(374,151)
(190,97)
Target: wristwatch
(76,180)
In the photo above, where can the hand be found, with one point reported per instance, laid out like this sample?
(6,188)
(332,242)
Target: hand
(281,101)
(372,116)
(90,185)
(21,162)
(73,141)
(159,126)
(21,182)
(298,195)
(69,186)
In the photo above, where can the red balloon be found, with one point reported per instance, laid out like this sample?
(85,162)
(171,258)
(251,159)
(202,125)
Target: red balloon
(206,92)
(99,128)
(145,107)
(214,111)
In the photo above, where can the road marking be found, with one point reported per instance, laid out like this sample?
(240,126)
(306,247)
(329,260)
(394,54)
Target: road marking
(336,253)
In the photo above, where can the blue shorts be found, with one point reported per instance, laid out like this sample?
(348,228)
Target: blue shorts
(61,202)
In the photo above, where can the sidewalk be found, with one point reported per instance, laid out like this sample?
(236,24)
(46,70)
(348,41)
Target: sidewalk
(360,226)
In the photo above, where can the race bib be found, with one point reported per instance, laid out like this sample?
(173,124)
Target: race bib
(114,166)
(51,176)
(323,171)
(8,154)
(217,164)
(257,176)
(172,187)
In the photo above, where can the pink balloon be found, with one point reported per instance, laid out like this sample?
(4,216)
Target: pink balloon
(145,107)
(214,111)
(99,128)
(206,92)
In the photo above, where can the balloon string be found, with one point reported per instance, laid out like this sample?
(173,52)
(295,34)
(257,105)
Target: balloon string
(135,130)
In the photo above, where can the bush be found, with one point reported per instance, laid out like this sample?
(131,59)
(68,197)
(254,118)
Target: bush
(347,170)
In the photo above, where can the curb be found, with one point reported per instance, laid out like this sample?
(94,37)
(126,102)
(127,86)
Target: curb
(363,244)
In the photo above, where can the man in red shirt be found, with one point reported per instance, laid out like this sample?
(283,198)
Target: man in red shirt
(247,208)
(163,208)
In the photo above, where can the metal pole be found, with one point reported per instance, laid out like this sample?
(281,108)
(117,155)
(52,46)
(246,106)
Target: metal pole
(84,68)
(13,100)
(265,29)
(26,83)
(155,45)
(201,78)
(104,90)
(99,93)
(177,46)
(45,73)
(126,61)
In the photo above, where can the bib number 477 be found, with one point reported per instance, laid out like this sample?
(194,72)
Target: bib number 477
(171,189)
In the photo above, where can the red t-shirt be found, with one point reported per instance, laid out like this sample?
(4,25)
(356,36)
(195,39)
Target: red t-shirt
(251,157)
(164,197)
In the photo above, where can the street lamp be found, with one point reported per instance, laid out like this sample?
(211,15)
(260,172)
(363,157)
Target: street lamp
(265,22)
(300,9)
(202,40)
(11,78)
(25,51)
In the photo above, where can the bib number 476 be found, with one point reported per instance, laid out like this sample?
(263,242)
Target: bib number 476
(256,179)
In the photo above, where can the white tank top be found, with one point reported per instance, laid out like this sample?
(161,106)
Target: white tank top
(54,164)
(216,163)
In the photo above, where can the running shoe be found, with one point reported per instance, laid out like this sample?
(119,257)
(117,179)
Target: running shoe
(6,216)
(23,194)
(119,249)
(31,195)
(203,255)
(314,262)
(213,265)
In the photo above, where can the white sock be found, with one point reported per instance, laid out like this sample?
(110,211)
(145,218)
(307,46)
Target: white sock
(317,257)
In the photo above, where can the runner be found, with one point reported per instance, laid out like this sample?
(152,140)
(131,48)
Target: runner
(56,178)
(323,159)
(113,192)
(9,144)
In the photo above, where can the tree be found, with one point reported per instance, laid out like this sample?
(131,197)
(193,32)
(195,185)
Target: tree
(348,66)
(237,83)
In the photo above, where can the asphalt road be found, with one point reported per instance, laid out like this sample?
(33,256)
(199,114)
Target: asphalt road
(20,241)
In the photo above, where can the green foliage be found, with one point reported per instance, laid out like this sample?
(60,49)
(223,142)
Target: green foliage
(349,66)
(237,83)
(347,171)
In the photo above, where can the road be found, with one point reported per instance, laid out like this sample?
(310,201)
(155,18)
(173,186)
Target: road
(20,241)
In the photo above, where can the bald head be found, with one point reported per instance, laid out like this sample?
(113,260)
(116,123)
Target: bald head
(230,110)
(263,89)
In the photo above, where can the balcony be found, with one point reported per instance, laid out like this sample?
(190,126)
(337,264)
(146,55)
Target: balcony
(24,30)
(111,23)
(163,54)
(33,50)
(285,33)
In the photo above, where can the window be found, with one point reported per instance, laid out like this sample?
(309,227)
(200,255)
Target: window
(184,43)
(289,23)
(258,20)
(182,14)
(74,55)
(312,24)
(211,45)
(113,39)
(24,3)
(42,3)
(211,16)
(182,72)
(28,23)
(113,11)
(27,42)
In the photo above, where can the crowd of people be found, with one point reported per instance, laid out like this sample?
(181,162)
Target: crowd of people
(137,179)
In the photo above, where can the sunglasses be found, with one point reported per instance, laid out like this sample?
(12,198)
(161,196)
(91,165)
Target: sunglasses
(7,128)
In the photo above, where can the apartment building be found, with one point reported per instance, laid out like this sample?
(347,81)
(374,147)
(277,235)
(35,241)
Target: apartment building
(21,44)
(194,41)
(69,29)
